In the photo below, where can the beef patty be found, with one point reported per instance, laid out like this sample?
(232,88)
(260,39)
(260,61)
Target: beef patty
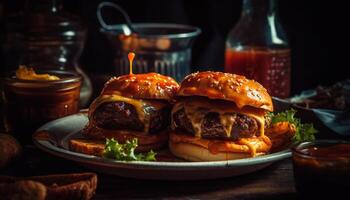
(120,115)
(211,127)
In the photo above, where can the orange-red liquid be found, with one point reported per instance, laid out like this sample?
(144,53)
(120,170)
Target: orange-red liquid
(269,67)
(131,57)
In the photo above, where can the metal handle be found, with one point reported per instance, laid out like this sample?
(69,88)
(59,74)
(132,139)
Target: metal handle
(127,29)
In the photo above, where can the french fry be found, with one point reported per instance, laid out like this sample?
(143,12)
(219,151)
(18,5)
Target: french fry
(280,134)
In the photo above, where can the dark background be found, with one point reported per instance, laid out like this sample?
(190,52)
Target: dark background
(317,33)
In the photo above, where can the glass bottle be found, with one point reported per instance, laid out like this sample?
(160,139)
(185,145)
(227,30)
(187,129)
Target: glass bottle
(258,48)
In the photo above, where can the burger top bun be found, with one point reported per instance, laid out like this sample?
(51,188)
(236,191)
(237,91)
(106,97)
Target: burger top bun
(226,86)
(142,86)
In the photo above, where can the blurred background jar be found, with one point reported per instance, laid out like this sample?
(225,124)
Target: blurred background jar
(159,47)
(45,37)
(258,48)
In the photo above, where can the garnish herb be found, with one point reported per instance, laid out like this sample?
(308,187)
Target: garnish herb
(304,131)
(126,152)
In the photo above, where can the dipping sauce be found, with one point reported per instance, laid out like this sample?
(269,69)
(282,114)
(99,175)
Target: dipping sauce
(269,67)
(28,73)
(31,103)
(322,168)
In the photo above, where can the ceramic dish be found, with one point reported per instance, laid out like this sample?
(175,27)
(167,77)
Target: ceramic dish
(54,136)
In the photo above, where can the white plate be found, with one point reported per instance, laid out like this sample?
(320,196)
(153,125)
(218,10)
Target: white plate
(61,130)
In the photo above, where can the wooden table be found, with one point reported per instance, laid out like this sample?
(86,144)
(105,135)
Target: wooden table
(273,182)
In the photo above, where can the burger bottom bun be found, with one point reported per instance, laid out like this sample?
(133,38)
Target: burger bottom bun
(192,152)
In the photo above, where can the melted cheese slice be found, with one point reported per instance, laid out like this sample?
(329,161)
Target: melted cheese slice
(196,109)
(138,104)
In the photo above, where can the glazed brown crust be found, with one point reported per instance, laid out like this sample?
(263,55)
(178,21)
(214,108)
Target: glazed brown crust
(10,149)
(23,189)
(226,86)
(58,186)
(142,86)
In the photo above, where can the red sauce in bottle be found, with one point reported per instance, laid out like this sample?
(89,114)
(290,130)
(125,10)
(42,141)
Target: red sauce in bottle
(270,67)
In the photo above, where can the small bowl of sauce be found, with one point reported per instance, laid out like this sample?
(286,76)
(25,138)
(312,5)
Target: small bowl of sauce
(322,168)
(33,99)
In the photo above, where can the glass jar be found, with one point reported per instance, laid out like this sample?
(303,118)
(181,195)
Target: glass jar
(322,168)
(258,48)
(31,103)
(45,37)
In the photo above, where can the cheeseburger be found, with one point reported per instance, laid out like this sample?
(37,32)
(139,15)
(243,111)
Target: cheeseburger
(133,106)
(219,116)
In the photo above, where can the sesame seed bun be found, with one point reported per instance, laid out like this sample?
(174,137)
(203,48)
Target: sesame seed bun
(226,86)
(142,86)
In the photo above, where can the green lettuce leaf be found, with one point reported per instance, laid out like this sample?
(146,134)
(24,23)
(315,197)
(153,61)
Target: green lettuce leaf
(126,152)
(304,131)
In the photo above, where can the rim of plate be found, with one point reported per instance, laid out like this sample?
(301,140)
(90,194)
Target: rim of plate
(90,159)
